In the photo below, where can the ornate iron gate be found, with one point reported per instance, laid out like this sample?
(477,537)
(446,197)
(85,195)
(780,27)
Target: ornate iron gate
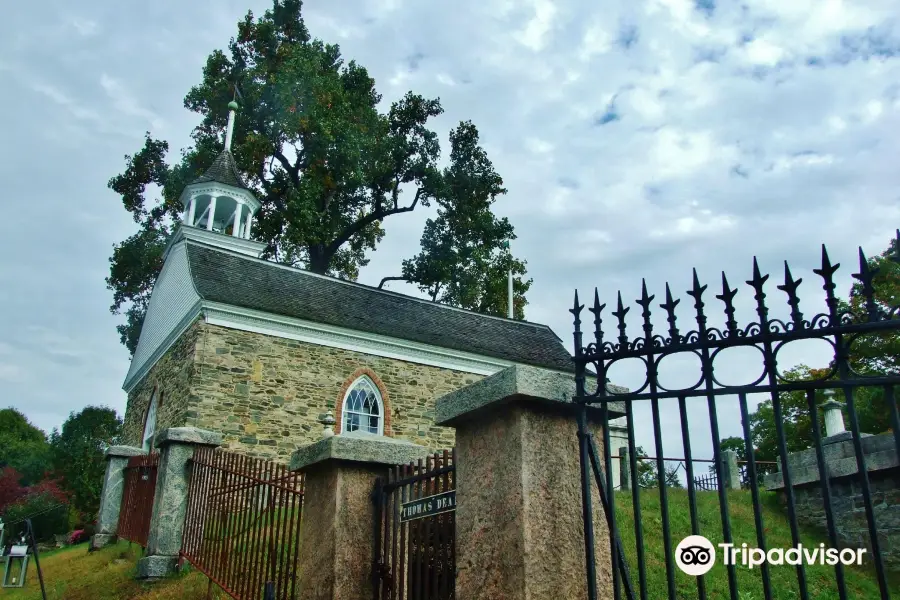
(841,326)
(414,557)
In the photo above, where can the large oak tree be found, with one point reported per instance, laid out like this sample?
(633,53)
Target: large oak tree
(328,168)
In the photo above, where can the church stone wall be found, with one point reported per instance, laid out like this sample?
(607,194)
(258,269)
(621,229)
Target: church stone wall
(266,394)
(171,376)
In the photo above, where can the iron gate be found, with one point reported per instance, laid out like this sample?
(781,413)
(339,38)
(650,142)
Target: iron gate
(843,324)
(414,557)
(137,498)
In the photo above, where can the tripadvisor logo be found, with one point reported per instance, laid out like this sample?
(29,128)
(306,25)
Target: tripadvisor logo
(696,555)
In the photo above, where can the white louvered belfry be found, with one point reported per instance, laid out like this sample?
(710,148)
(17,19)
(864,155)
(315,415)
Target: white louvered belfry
(219,201)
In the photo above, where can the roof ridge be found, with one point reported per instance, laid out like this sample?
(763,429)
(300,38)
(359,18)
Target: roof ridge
(371,288)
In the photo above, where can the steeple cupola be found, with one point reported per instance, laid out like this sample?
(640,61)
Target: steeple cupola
(219,201)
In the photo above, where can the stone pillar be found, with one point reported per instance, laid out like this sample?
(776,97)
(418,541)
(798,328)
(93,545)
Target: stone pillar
(176,447)
(834,418)
(731,475)
(624,469)
(111,495)
(519,524)
(337,527)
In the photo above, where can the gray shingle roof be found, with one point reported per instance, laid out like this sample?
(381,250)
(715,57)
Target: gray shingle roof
(242,281)
(223,170)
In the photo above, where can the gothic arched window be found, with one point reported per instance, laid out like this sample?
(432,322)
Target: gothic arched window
(363,408)
(150,422)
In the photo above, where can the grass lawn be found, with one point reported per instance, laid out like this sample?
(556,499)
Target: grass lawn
(861,582)
(108,574)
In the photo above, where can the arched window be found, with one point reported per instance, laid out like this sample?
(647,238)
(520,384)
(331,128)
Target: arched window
(150,422)
(363,408)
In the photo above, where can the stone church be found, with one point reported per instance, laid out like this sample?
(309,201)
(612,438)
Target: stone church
(262,351)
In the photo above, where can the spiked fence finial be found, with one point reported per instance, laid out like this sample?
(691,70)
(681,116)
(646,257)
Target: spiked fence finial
(644,303)
(790,288)
(576,313)
(696,293)
(826,272)
(621,311)
(669,306)
(596,310)
(757,284)
(727,296)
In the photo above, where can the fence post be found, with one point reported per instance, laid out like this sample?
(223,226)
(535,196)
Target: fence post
(519,520)
(624,469)
(111,495)
(337,533)
(176,447)
(731,474)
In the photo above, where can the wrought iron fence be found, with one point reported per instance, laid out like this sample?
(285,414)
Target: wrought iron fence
(414,557)
(137,498)
(840,327)
(706,483)
(242,527)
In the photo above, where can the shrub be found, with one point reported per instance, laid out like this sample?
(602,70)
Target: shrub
(77,536)
(48,513)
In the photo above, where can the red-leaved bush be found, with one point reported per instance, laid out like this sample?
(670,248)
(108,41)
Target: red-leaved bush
(11,490)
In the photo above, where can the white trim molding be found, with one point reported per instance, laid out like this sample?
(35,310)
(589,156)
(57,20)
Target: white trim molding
(346,339)
(238,245)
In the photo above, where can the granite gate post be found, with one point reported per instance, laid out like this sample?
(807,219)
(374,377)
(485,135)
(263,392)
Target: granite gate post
(176,447)
(519,525)
(335,561)
(111,495)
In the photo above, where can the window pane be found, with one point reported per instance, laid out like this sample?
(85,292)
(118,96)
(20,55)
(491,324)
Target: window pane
(354,400)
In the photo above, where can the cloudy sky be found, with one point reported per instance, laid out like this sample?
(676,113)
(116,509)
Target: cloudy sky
(636,138)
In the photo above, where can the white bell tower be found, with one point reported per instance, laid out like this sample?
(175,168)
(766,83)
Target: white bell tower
(219,201)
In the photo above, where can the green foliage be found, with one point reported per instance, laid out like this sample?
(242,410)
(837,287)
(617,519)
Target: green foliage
(23,447)
(647,472)
(795,420)
(48,513)
(78,454)
(465,259)
(325,164)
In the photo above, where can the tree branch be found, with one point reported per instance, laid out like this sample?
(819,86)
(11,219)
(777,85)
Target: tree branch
(294,173)
(386,279)
(376,215)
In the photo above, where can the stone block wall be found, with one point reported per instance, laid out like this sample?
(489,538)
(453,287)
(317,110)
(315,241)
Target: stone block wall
(171,376)
(850,514)
(847,501)
(266,394)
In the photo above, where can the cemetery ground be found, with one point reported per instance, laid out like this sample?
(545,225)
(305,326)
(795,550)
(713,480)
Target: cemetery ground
(108,574)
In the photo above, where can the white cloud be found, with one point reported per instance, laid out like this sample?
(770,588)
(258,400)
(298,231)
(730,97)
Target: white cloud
(124,102)
(85,27)
(533,35)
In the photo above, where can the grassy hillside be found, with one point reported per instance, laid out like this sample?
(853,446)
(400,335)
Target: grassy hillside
(73,574)
(861,583)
